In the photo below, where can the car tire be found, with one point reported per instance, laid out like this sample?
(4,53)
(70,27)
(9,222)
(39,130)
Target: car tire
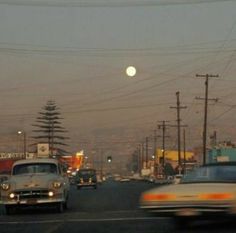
(95,186)
(66,202)
(60,207)
(182,223)
(9,209)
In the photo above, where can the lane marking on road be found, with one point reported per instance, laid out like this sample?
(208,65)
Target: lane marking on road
(79,220)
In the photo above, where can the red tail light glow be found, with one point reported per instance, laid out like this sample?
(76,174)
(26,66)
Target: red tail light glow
(158,197)
(216,196)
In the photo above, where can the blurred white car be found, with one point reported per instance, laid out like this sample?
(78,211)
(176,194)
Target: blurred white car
(35,182)
(208,191)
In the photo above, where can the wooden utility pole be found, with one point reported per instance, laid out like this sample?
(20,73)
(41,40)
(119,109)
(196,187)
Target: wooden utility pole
(142,155)
(178,107)
(155,144)
(163,127)
(146,158)
(206,76)
(184,147)
(155,151)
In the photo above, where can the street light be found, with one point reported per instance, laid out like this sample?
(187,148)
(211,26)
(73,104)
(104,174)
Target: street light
(24,138)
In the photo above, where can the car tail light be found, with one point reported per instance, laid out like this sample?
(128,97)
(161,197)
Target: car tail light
(158,197)
(216,196)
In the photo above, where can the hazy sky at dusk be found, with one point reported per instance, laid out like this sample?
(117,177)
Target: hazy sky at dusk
(76,52)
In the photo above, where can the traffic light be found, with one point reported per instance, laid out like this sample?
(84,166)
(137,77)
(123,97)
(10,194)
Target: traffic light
(109,159)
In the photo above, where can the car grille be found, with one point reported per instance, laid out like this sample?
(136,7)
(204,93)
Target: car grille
(37,193)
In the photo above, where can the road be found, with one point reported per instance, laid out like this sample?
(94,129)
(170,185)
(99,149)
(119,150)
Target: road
(112,208)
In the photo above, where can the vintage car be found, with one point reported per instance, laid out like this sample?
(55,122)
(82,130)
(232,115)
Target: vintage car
(209,191)
(86,178)
(35,182)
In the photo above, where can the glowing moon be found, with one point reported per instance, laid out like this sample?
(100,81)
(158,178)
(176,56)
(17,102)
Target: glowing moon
(131,71)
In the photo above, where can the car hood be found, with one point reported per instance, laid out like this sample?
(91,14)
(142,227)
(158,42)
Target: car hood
(32,181)
(194,189)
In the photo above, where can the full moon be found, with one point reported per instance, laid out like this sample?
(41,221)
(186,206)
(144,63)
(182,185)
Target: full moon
(131,71)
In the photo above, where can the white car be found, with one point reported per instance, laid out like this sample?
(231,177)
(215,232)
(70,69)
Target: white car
(209,191)
(35,182)
(177,178)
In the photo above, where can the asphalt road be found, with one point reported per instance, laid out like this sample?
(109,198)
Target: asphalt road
(112,208)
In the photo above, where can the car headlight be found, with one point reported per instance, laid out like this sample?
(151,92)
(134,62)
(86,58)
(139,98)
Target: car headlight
(12,195)
(5,186)
(57,184)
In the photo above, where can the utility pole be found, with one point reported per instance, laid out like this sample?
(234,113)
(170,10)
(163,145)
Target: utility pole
(213,138)
(101,162)
(146,159)
(163,127)
(140,158)
(206,76)
(142,155)
(155,144)
(155,151)
(184,147)
(178,107)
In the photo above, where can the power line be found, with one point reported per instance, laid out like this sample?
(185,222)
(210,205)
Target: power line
(100,3)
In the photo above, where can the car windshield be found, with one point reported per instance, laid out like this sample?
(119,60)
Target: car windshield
(30,168)
(211,174)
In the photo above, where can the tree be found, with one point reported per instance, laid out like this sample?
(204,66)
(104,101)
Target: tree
(49,129)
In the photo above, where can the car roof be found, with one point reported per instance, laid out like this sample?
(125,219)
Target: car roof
(87,169)
(38,160)
(227,163)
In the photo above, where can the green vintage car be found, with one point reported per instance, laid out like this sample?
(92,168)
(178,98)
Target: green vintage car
(86,178)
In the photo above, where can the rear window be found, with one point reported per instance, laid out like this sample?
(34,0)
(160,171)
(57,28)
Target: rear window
(86,172)
(218,173)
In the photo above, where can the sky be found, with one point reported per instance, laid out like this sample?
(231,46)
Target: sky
(76,53)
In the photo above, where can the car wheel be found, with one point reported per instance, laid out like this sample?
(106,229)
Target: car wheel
(60,207)
(78,187)
(65,205)
(9,209)
(95,186)
(182,223)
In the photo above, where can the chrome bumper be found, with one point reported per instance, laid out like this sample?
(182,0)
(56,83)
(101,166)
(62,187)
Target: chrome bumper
(32,201)
(191,209)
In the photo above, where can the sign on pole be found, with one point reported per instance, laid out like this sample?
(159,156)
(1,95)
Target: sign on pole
(43,150)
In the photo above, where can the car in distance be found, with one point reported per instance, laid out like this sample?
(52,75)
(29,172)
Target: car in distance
(177,178)
(35,182)
(208,191)
(86,178)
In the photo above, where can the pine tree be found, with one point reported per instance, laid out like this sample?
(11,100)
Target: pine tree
(49,129)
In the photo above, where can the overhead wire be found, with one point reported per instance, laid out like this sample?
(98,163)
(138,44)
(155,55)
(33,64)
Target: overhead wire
(104,3)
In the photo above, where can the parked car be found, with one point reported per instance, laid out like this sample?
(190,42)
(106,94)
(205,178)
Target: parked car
(86,178)
(177,178)
(209,191)
(35,182)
